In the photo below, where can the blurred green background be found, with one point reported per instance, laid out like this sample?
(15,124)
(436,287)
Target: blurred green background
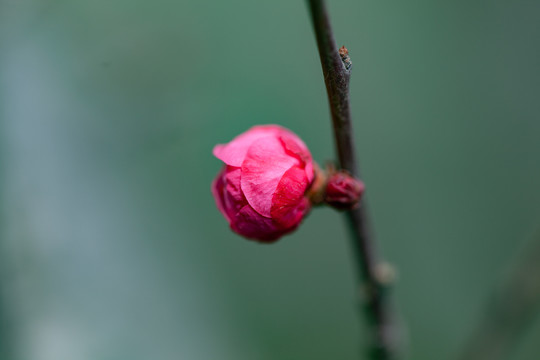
(111,247)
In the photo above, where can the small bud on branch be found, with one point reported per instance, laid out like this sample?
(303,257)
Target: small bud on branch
(343,191)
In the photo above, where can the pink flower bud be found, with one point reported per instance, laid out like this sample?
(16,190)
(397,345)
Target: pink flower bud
(343,191)
(261,189)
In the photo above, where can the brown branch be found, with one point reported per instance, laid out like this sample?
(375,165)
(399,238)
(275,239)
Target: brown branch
(510,310)
(336,69)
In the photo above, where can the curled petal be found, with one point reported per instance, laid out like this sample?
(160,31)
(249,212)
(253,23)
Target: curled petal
(288,205)
(251,224)
(234,198)
(234,152)
(265,164)
(296,147)
(217,188)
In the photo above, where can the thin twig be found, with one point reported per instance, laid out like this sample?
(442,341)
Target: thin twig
(336,69)
(510,310)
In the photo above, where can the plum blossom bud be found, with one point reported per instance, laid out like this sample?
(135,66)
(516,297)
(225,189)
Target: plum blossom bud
(261,189)
(343,191)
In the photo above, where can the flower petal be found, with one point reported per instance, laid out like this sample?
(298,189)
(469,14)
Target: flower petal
(266,162)
(234,199)
(296,147)
(288,205)
(217,190)
(235,151)
(251,224)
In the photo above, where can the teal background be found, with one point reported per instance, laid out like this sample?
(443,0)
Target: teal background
(111,247)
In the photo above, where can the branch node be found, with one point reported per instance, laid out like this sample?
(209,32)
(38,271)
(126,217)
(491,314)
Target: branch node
(345,58)
(385,273)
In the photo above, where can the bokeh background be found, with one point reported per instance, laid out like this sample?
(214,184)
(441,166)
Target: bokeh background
(111,247)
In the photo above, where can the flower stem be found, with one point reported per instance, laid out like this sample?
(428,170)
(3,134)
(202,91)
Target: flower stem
(336,70)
